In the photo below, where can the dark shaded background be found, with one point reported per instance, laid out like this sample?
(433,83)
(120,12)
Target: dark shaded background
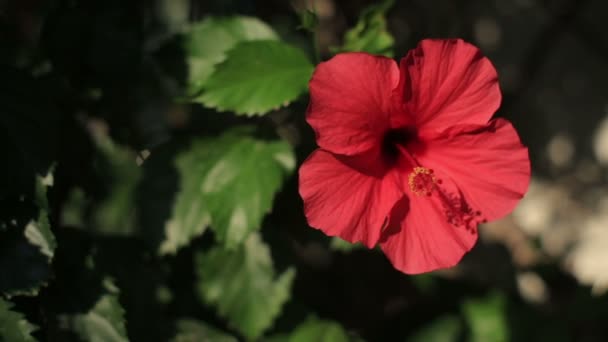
(121,64)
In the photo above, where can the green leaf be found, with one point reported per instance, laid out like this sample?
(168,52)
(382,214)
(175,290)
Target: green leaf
(340,245)
(27,244)
(487,319)
(73,210)
(116,213)
(39,232)
(104,322)
(242,285)
(13,325)
(216,187)
(442,329)
(207,42)
(256,77)
(189,330)
(370,34)
(316,330)
(425,283)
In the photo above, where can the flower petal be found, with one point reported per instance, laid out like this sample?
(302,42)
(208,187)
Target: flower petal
(448,82)
(343,202)
(426,239)
(350,101)
(489,165)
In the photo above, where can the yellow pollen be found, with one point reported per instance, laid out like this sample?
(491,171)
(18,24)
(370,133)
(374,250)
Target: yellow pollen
(422,181)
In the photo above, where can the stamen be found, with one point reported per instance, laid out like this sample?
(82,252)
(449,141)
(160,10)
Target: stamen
(459,213)
(422,181)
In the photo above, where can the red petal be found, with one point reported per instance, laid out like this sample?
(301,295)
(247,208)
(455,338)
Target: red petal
(426,239)
(489,165)
(343,202)
(448,82)
(350,101)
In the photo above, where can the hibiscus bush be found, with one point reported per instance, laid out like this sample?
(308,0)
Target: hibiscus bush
(184,170)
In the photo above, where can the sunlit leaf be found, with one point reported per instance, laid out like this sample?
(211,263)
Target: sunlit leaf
(206,44)
(229,182)
(190,330)
(442,329)
(487,319)
(104,322)
(13,325)
(242,285)
(257,77)
(370,34)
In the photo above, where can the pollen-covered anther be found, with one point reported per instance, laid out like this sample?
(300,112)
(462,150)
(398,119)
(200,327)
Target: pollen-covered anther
(422,181)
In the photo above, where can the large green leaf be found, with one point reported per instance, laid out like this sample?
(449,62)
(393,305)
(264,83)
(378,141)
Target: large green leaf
(256,77)
(370,34)
(104,322)
(206,44)
(242,285)
(487,319)
(13,325)
(189,330)
(27,244)
(229,182)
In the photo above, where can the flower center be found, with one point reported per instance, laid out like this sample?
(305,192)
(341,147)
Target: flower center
(422,181)
(395,137)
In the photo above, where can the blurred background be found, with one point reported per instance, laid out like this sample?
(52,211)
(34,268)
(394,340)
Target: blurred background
(99,137)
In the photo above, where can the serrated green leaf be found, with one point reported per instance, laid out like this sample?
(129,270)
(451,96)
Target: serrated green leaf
(206,44)
(190,330)
(442,329)
(38,232)
(487,319)
(370,34)
(27,245)
(242,285)
(189,217)
(13,325)
(104,322)
(257,77)
(317,330)
(228,182)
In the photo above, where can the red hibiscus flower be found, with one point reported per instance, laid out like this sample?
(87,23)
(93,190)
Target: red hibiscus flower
(409,156)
